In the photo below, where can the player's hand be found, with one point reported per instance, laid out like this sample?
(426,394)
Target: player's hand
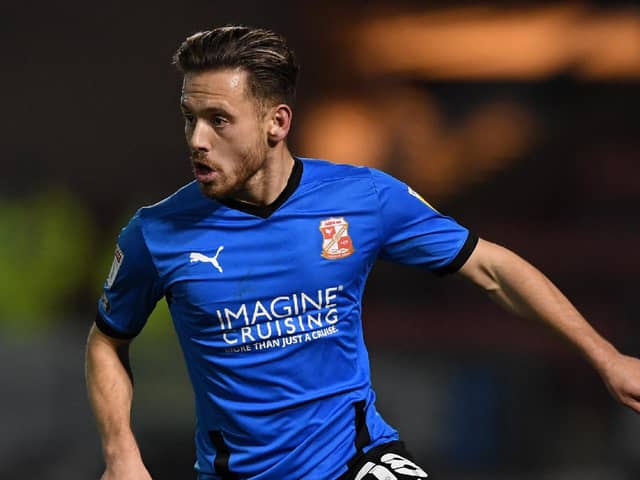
(622,377)
(126,470)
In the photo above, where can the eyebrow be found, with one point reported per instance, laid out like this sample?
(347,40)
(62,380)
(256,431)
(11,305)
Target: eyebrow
(207,110)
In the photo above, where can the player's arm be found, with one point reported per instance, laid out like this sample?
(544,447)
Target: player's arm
(110,388)
(131,291)
(522,289)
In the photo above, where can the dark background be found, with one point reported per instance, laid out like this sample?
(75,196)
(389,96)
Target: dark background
(532,141)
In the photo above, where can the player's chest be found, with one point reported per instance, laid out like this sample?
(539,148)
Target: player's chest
(247,259)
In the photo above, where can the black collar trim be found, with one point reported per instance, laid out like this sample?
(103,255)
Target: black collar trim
(265,211)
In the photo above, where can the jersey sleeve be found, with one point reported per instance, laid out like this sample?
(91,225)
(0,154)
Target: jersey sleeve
(132,287)
(415,233)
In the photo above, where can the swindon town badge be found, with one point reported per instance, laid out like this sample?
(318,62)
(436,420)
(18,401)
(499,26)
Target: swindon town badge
(336,242)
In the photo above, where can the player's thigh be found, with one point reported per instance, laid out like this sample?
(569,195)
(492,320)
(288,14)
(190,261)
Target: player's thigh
(391,461)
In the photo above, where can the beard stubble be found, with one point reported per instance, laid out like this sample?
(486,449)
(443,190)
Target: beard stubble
(250,162)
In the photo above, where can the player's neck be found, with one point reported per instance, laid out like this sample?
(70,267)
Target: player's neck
(270,181)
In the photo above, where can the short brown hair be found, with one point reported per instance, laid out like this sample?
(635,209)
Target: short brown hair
(265,56)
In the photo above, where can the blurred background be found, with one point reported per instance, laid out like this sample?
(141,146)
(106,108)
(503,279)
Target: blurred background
(520,120)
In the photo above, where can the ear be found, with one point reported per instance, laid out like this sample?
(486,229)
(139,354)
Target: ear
(279,123)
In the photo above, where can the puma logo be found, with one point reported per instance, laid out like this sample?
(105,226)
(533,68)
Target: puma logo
(198,257)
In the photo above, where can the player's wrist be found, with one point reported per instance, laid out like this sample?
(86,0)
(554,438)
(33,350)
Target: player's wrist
(123,449)
(131,470)
(603,357)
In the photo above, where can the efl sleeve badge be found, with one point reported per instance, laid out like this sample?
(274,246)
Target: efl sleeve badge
(118,257)
(336,242)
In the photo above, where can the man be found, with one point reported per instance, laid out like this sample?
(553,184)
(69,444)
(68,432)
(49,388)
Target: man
(263,260)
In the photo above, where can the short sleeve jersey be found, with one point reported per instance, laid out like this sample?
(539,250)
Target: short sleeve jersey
(266,303)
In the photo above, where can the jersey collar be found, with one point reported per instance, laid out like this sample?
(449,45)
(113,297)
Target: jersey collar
(265,211)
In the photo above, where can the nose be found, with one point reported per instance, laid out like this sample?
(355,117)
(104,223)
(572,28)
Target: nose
(200,139)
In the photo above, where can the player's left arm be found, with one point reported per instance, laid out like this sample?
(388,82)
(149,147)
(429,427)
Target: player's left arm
(522,289)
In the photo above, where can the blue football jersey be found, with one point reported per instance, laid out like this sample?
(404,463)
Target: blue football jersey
(266,303)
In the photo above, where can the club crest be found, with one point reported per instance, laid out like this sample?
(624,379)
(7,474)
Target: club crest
(336,242)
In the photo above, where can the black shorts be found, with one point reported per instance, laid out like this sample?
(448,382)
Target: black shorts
(390,461)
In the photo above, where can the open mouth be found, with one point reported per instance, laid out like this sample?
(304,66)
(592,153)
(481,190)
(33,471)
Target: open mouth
(203,172)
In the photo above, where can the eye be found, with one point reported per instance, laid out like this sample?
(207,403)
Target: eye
(188,117)
(219,121)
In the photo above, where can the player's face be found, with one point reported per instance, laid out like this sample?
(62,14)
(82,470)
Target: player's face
(225,130)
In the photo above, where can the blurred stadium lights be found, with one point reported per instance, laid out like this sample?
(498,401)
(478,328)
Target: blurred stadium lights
(392,48)
(498,43)
(439,157)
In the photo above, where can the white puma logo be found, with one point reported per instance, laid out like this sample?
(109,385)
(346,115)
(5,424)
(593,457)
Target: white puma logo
(198,257)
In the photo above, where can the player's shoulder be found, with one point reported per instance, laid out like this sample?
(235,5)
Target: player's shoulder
(319,170)
(184,200)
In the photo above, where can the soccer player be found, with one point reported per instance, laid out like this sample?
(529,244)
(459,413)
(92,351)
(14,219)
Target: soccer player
(263,259)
